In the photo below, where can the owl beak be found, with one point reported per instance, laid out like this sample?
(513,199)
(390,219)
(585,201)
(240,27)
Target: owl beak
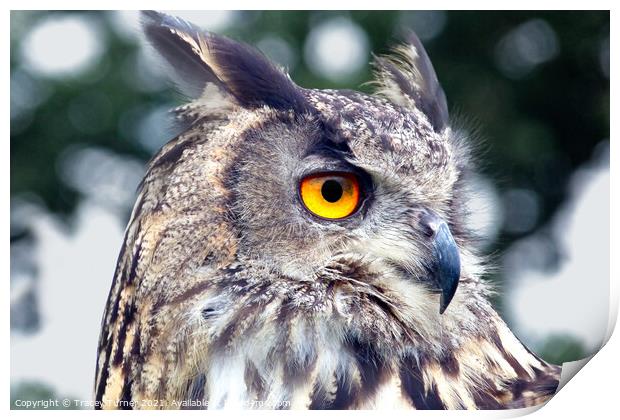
(446,265)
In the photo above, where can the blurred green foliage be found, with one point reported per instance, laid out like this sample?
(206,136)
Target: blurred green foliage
(559,349)
(41,396)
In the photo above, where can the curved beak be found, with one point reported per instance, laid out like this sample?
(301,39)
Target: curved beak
(446,264)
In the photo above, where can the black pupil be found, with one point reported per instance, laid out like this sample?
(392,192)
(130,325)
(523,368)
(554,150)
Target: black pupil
(331,191)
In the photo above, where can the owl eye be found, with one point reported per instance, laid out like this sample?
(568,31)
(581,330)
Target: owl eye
(333,195)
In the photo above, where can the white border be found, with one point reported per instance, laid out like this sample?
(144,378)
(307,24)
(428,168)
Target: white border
(592,394)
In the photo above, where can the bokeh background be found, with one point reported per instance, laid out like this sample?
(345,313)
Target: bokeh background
(89,106)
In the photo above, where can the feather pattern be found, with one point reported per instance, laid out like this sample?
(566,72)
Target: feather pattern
(408,76)
(198,58)
(228,294)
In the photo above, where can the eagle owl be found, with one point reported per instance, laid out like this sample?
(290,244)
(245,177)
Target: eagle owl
(305,248)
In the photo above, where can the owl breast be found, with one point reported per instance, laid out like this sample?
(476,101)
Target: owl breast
(338,340)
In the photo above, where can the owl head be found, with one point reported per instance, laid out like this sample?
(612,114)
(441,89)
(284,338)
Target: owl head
(305,183)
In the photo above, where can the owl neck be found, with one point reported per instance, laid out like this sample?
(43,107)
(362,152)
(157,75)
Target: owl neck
(304,354)
(244,335)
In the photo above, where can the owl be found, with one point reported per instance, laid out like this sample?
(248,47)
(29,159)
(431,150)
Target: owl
(297,248)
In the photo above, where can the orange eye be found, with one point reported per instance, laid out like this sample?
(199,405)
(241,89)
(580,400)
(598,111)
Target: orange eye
(331,195)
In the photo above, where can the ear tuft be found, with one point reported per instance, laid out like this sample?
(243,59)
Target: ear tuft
(178,43)
(408,78)
(199,58)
